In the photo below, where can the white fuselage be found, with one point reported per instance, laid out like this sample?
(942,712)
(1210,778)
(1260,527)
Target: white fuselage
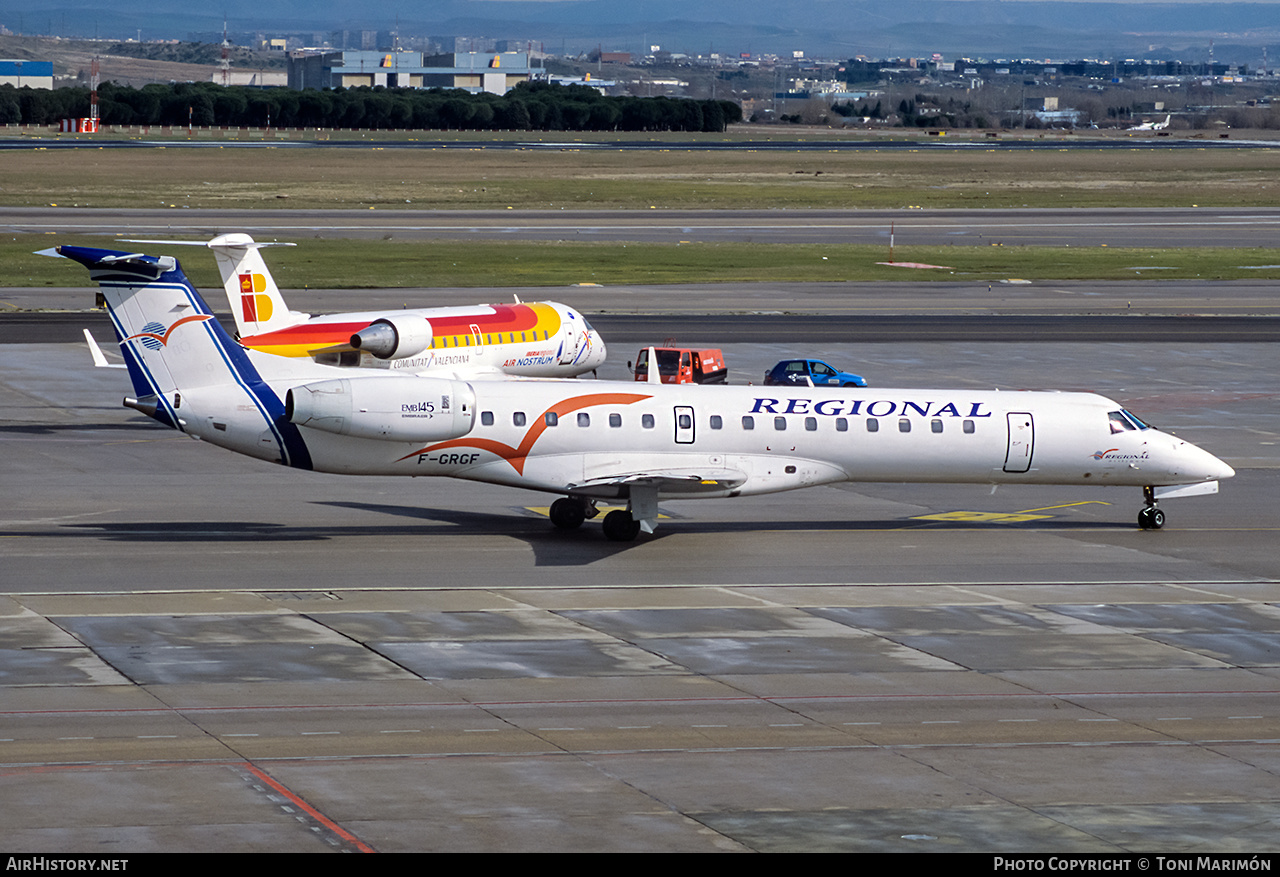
(732,440)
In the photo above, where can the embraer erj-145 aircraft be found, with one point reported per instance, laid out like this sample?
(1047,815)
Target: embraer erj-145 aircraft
(539,339)
(634,442)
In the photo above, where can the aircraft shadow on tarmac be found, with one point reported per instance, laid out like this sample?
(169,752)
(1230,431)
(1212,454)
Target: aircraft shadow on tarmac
(551,547)
(54,428)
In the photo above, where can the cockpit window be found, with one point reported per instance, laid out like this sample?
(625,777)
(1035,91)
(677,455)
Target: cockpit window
(1123,421)
(1119,423)
(1136,421)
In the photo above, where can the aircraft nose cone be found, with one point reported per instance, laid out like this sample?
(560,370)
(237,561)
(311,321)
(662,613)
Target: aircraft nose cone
(1206,465)
(598,351)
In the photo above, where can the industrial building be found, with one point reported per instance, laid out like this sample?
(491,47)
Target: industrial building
(32,74)
(492,72)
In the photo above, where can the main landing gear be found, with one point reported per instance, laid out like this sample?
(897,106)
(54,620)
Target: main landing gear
(1150,518)
(568,513)
(619,526)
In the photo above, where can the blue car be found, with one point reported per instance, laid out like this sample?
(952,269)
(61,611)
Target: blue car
(810,372)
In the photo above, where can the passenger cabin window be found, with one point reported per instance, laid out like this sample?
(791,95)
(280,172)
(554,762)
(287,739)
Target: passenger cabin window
(936,425)
(842,424)
(780,423)
(615,420)
(748,422)
(873,425)
(517,418)
(968,427)
(646,420)
(552,418)
(584,419)
(684,421)
(811,424)
(904,425)
(717,422)
(486,418)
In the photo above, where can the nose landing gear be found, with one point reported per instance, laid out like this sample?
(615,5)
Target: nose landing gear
(1150,518)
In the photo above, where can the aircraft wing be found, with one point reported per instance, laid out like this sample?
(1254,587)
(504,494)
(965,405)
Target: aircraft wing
(690,482)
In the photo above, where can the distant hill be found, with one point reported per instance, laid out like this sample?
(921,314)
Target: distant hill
(134,63)
(826,28)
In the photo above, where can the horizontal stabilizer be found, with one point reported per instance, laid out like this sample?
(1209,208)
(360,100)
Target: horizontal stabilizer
(99,358)
(133,264)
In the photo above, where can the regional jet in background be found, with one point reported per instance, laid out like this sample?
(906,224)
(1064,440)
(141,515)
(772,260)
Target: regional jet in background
(1151,126)
(638,443)
(538,339)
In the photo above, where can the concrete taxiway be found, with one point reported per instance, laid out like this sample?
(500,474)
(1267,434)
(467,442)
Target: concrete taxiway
(204,652)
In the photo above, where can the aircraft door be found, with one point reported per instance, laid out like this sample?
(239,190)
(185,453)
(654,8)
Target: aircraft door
(684,425)
(1021,441)
(573,334)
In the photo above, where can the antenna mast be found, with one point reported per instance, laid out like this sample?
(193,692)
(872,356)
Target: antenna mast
(93,94)
(226,56)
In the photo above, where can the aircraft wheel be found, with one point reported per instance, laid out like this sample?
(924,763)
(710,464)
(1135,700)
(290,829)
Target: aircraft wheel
(619,526)
(1151,518)
(567,513)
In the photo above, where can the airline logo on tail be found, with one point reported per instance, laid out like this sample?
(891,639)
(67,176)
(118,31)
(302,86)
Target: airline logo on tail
(255,307)
(154,335)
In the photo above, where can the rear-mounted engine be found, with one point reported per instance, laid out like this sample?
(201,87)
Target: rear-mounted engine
(410,409)
(395,337)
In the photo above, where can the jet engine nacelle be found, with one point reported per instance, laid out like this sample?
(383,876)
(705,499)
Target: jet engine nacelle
(396,337)
(411,409)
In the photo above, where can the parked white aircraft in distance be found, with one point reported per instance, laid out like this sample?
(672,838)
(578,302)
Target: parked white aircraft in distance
(1152,126)
(537,339)
(635,442)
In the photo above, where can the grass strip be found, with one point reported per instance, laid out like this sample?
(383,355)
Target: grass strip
(349,264)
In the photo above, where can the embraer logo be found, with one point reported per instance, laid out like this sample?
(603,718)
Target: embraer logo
(516,456)
(154,335)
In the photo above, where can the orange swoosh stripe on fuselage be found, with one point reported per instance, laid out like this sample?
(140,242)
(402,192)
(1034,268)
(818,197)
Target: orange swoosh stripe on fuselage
(517,456)
(304,339)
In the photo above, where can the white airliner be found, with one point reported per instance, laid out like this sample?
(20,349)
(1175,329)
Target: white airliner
(1152,126)
(634,442)
(536,339)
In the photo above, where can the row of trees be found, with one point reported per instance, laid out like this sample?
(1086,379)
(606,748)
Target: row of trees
(535,106)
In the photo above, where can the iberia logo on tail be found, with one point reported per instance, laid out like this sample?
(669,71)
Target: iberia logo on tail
(257,308)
